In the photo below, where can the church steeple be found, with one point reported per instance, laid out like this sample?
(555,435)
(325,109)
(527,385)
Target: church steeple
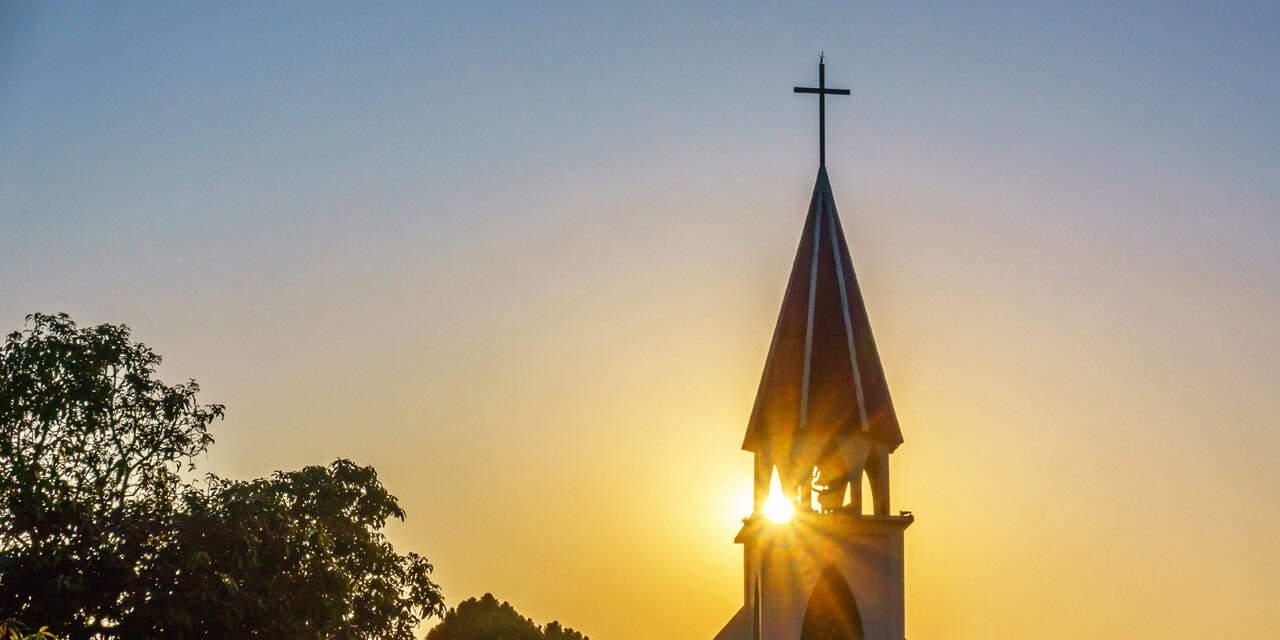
(823,414)
(819,564)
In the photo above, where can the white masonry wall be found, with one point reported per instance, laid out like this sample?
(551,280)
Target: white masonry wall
(789,558)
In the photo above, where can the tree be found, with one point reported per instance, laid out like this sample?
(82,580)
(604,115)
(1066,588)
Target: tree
(90,447)
(297,555)
(486,619)
(102,538)
(553,631)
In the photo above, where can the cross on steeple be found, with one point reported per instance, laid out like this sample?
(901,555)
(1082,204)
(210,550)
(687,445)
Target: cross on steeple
(822,92)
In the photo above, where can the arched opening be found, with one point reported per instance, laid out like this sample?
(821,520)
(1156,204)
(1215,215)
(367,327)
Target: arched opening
(868,496)
(829,481)
(876,491)
(832,613)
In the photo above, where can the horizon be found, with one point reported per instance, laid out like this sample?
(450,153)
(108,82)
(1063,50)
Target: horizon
(527,265)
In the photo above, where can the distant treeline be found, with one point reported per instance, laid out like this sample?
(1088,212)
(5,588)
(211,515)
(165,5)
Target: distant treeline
(487,619)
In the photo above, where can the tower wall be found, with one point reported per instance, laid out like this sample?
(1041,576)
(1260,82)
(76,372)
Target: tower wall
(789,558)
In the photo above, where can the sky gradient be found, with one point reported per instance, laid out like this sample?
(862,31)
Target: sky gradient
(527,262)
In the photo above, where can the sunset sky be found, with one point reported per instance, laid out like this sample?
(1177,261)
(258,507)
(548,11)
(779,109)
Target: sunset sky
(526,262)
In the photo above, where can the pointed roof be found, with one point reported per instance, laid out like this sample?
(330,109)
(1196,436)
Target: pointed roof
(823,374)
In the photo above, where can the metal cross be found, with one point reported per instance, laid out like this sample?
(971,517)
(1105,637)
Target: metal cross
(822,92)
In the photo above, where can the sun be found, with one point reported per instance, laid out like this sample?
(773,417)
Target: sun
(777,508)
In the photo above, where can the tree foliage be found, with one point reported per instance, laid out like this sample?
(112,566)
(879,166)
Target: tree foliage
(90,447)
(487,619)
(101,537)
(297,555)
(11,629)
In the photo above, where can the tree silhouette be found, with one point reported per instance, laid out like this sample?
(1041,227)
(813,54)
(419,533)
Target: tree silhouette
(487,619)
(553,631)
(298,555)
(100,536)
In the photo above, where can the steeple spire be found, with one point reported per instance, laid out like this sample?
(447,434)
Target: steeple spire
(823,374)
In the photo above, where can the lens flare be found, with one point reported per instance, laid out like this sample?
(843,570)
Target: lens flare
(777,508)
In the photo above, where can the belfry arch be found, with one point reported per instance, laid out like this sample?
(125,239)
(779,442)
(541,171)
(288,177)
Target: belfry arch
(839,478)
(832,612)
(876,470)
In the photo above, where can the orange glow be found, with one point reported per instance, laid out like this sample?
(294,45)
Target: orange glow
(777,508)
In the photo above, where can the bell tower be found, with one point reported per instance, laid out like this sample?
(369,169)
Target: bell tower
(822,560)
